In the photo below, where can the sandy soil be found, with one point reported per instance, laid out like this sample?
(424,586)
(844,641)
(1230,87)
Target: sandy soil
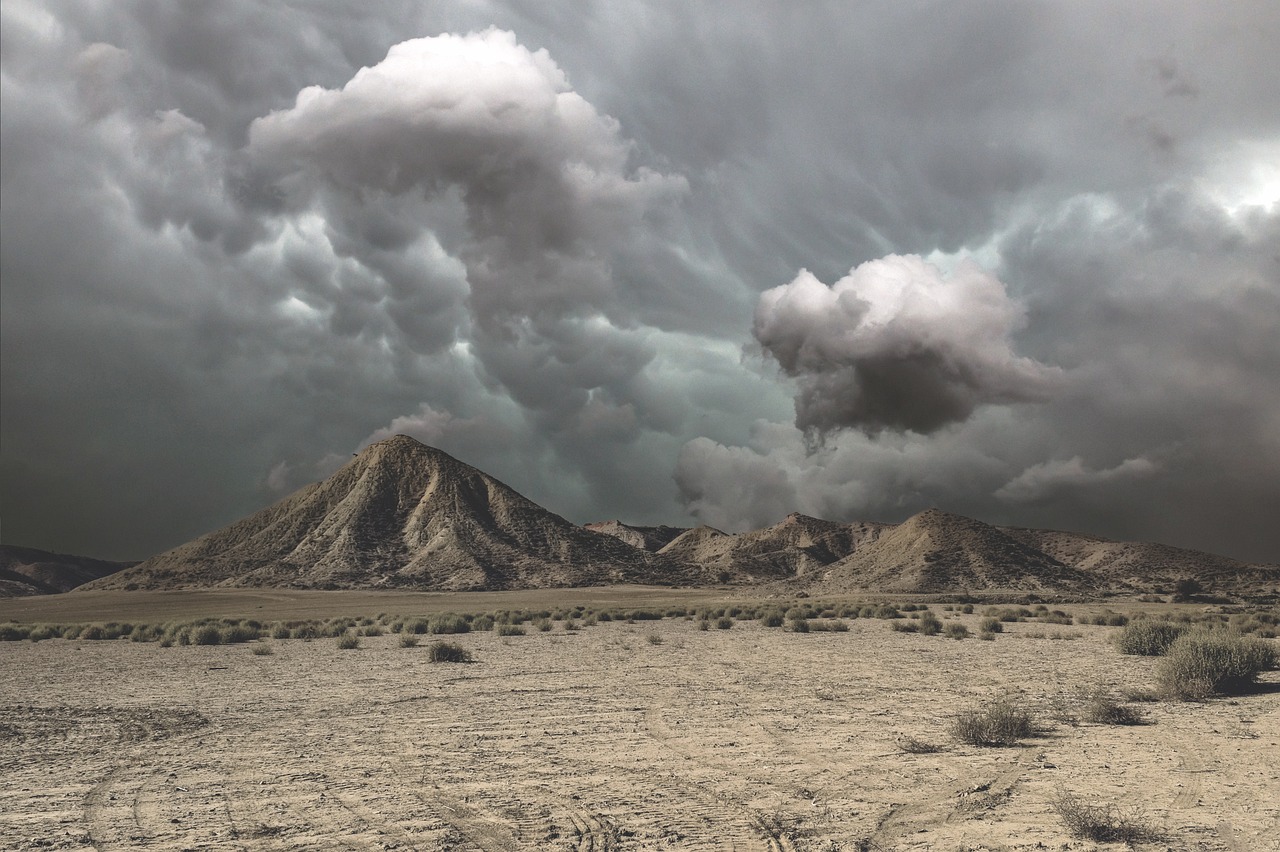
(745,739)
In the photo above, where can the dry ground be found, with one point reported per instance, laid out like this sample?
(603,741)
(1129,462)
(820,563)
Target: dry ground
(744,739)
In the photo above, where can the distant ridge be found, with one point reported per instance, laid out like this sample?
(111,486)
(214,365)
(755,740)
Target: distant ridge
(936,551)
(401,515)
(794,547)
(27,571)
(651,539)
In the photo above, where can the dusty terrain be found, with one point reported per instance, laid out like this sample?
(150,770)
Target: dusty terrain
(605,738)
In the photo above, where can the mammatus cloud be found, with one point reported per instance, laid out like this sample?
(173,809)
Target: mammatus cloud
(897,344)
(1045,480)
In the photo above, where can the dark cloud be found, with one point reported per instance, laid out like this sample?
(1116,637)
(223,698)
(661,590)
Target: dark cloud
(240,239)
(896,344)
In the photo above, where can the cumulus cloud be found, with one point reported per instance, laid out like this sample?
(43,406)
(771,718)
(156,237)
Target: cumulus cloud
(1042,481)
(897,344)
(543,176)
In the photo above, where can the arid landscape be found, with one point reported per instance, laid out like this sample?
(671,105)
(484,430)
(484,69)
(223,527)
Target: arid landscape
(699,730)
(411,655)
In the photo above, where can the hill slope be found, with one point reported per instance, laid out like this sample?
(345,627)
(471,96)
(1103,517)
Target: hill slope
(796,546)
(27,571)
(651,539)
(1146,566)
(935,551)
(400,515)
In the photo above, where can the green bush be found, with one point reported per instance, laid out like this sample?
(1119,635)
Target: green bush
(1204,663)
(1148,638)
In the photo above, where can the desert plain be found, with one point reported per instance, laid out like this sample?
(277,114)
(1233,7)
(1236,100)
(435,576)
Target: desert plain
(642,735)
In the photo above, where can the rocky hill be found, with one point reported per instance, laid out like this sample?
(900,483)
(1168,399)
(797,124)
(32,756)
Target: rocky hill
(936,551)
(27,571)
(401,515)
(795,547)
(651,539)
(1141,566)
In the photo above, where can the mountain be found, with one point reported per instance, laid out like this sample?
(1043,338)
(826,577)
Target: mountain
(794,547)
(401,515)
(27,571)
(936,551)
(1146,566)
(651,539)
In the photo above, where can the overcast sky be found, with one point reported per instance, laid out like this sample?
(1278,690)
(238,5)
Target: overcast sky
(668,262)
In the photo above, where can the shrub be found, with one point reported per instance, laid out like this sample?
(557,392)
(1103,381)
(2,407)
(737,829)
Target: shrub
(238,633)
(1148,638)
(482,623)
(1000,723)
(447,623)
(207,634)
(1204,663)
(991,625)
(929,624)
(967,609)
(14,632)
(1102,709)
(372,630)
(509,630)
(281,632)
(93,631)
(449,652)
(799,625)
(957,631)
(653,639)
(417,626)
(772,618)
(348,641)
(905,627)
(1099,824)
(408,640)
(262,651)
(724,623)
(704,624)
(45,631)
(543,624)
(911,745)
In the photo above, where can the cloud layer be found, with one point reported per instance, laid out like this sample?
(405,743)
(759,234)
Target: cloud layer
(239,240)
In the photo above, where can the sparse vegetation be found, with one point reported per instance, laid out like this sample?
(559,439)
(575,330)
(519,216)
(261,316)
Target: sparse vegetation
(990,624)
(956,630)
(449,652)
(1148,637)
(1098,823)
(911,745)
(262,651)
(348,642)
(408,640)
(1102,709)
(1001,722)
(1204,663)
(509,630)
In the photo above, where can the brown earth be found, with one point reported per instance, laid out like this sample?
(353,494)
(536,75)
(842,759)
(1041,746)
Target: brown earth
(606,739)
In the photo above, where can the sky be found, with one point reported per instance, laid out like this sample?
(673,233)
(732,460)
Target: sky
(666,262)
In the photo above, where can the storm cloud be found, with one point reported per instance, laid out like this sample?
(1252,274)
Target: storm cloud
(896,344)
(241,240)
